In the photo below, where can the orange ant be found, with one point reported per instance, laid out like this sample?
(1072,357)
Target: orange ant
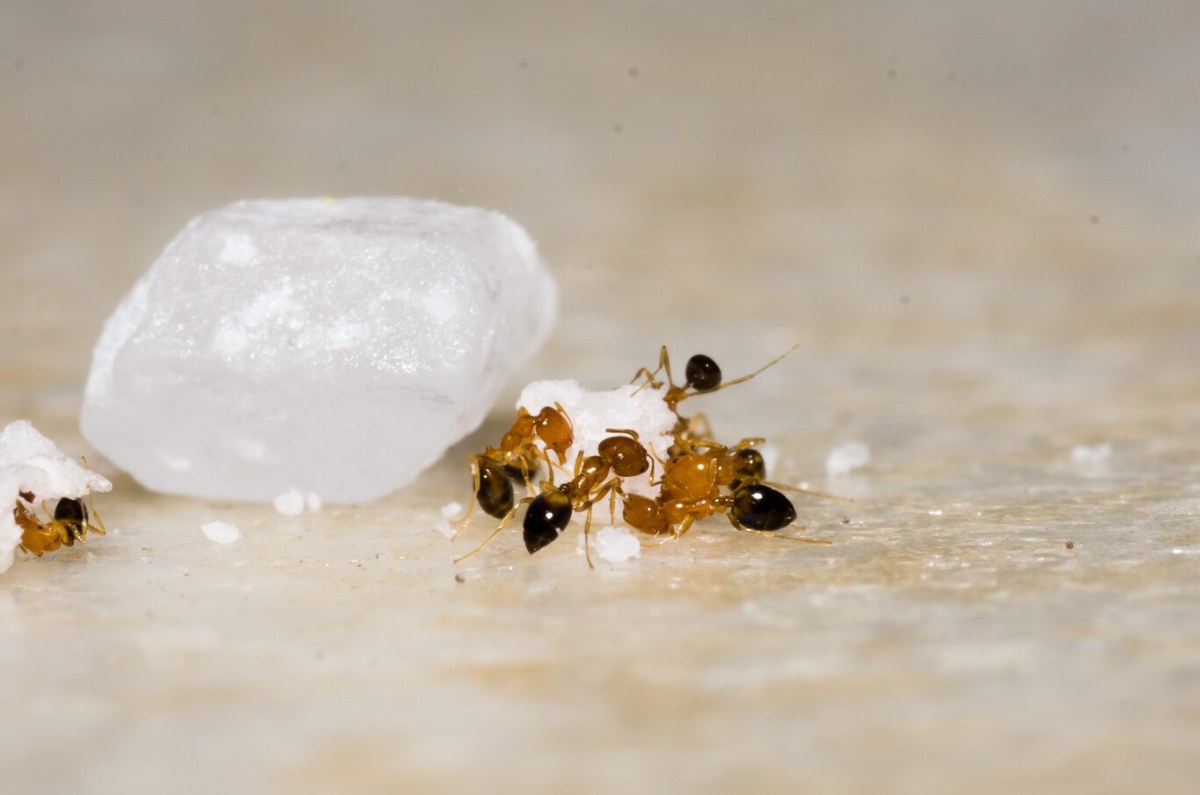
(595,477)
(70,522)
(517,458)
(702,375)
(690,490)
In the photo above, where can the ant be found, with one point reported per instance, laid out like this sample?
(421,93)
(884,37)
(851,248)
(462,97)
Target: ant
(702,375)
(70,522)
(517,459)
(595,476)
(690,490)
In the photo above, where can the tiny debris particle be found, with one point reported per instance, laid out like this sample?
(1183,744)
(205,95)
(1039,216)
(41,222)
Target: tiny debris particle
(1070,545)
(221,532)
(458,578)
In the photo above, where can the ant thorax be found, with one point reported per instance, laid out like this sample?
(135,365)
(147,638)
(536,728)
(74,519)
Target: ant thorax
(596,416)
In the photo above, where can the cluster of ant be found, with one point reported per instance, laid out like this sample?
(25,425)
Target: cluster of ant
(697,478)
(71,521)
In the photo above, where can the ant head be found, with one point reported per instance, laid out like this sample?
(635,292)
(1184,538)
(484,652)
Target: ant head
(702,373)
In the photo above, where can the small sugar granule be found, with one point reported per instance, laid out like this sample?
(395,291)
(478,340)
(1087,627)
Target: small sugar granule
(845,458)
(592,414)
(450,512)
(1091,455)
(616,544)
(290,503)
(221,532)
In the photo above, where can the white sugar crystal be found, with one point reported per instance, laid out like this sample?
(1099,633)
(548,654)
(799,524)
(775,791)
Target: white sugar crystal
(290,503)
(336,347)
(616,544)
(312,502)
(32,464)
(845,458)
(591,414)
(221,532)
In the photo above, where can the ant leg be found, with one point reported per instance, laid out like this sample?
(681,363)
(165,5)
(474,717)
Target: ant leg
(664,363)
(503,524)
(774,534)
(473,463)
(98,527)
(587,528)
(684,526)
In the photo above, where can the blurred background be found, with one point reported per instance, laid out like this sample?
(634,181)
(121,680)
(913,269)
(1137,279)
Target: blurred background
(685,165)
(978,220)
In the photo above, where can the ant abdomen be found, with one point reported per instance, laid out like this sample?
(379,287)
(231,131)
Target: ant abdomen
(702,373)
(759,507)
(644,514)
(495,492)
(546,518)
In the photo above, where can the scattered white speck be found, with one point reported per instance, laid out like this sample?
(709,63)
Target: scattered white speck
(451,511)
(616,544)
(935,511)
(290,503)
(221,532)
(1091,458)
(1090,453)
(847,457)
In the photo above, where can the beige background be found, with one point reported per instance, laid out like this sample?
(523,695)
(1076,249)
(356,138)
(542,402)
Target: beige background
(978,220)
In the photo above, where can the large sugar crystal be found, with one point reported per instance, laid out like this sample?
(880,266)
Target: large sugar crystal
(335,347)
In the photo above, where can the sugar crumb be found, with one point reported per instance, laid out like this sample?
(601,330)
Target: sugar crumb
(221,532)
(845,458)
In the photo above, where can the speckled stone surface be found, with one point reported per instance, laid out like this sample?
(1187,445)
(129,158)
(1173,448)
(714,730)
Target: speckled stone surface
(979,224)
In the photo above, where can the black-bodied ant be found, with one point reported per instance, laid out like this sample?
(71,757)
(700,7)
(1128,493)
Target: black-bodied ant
(70,522)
